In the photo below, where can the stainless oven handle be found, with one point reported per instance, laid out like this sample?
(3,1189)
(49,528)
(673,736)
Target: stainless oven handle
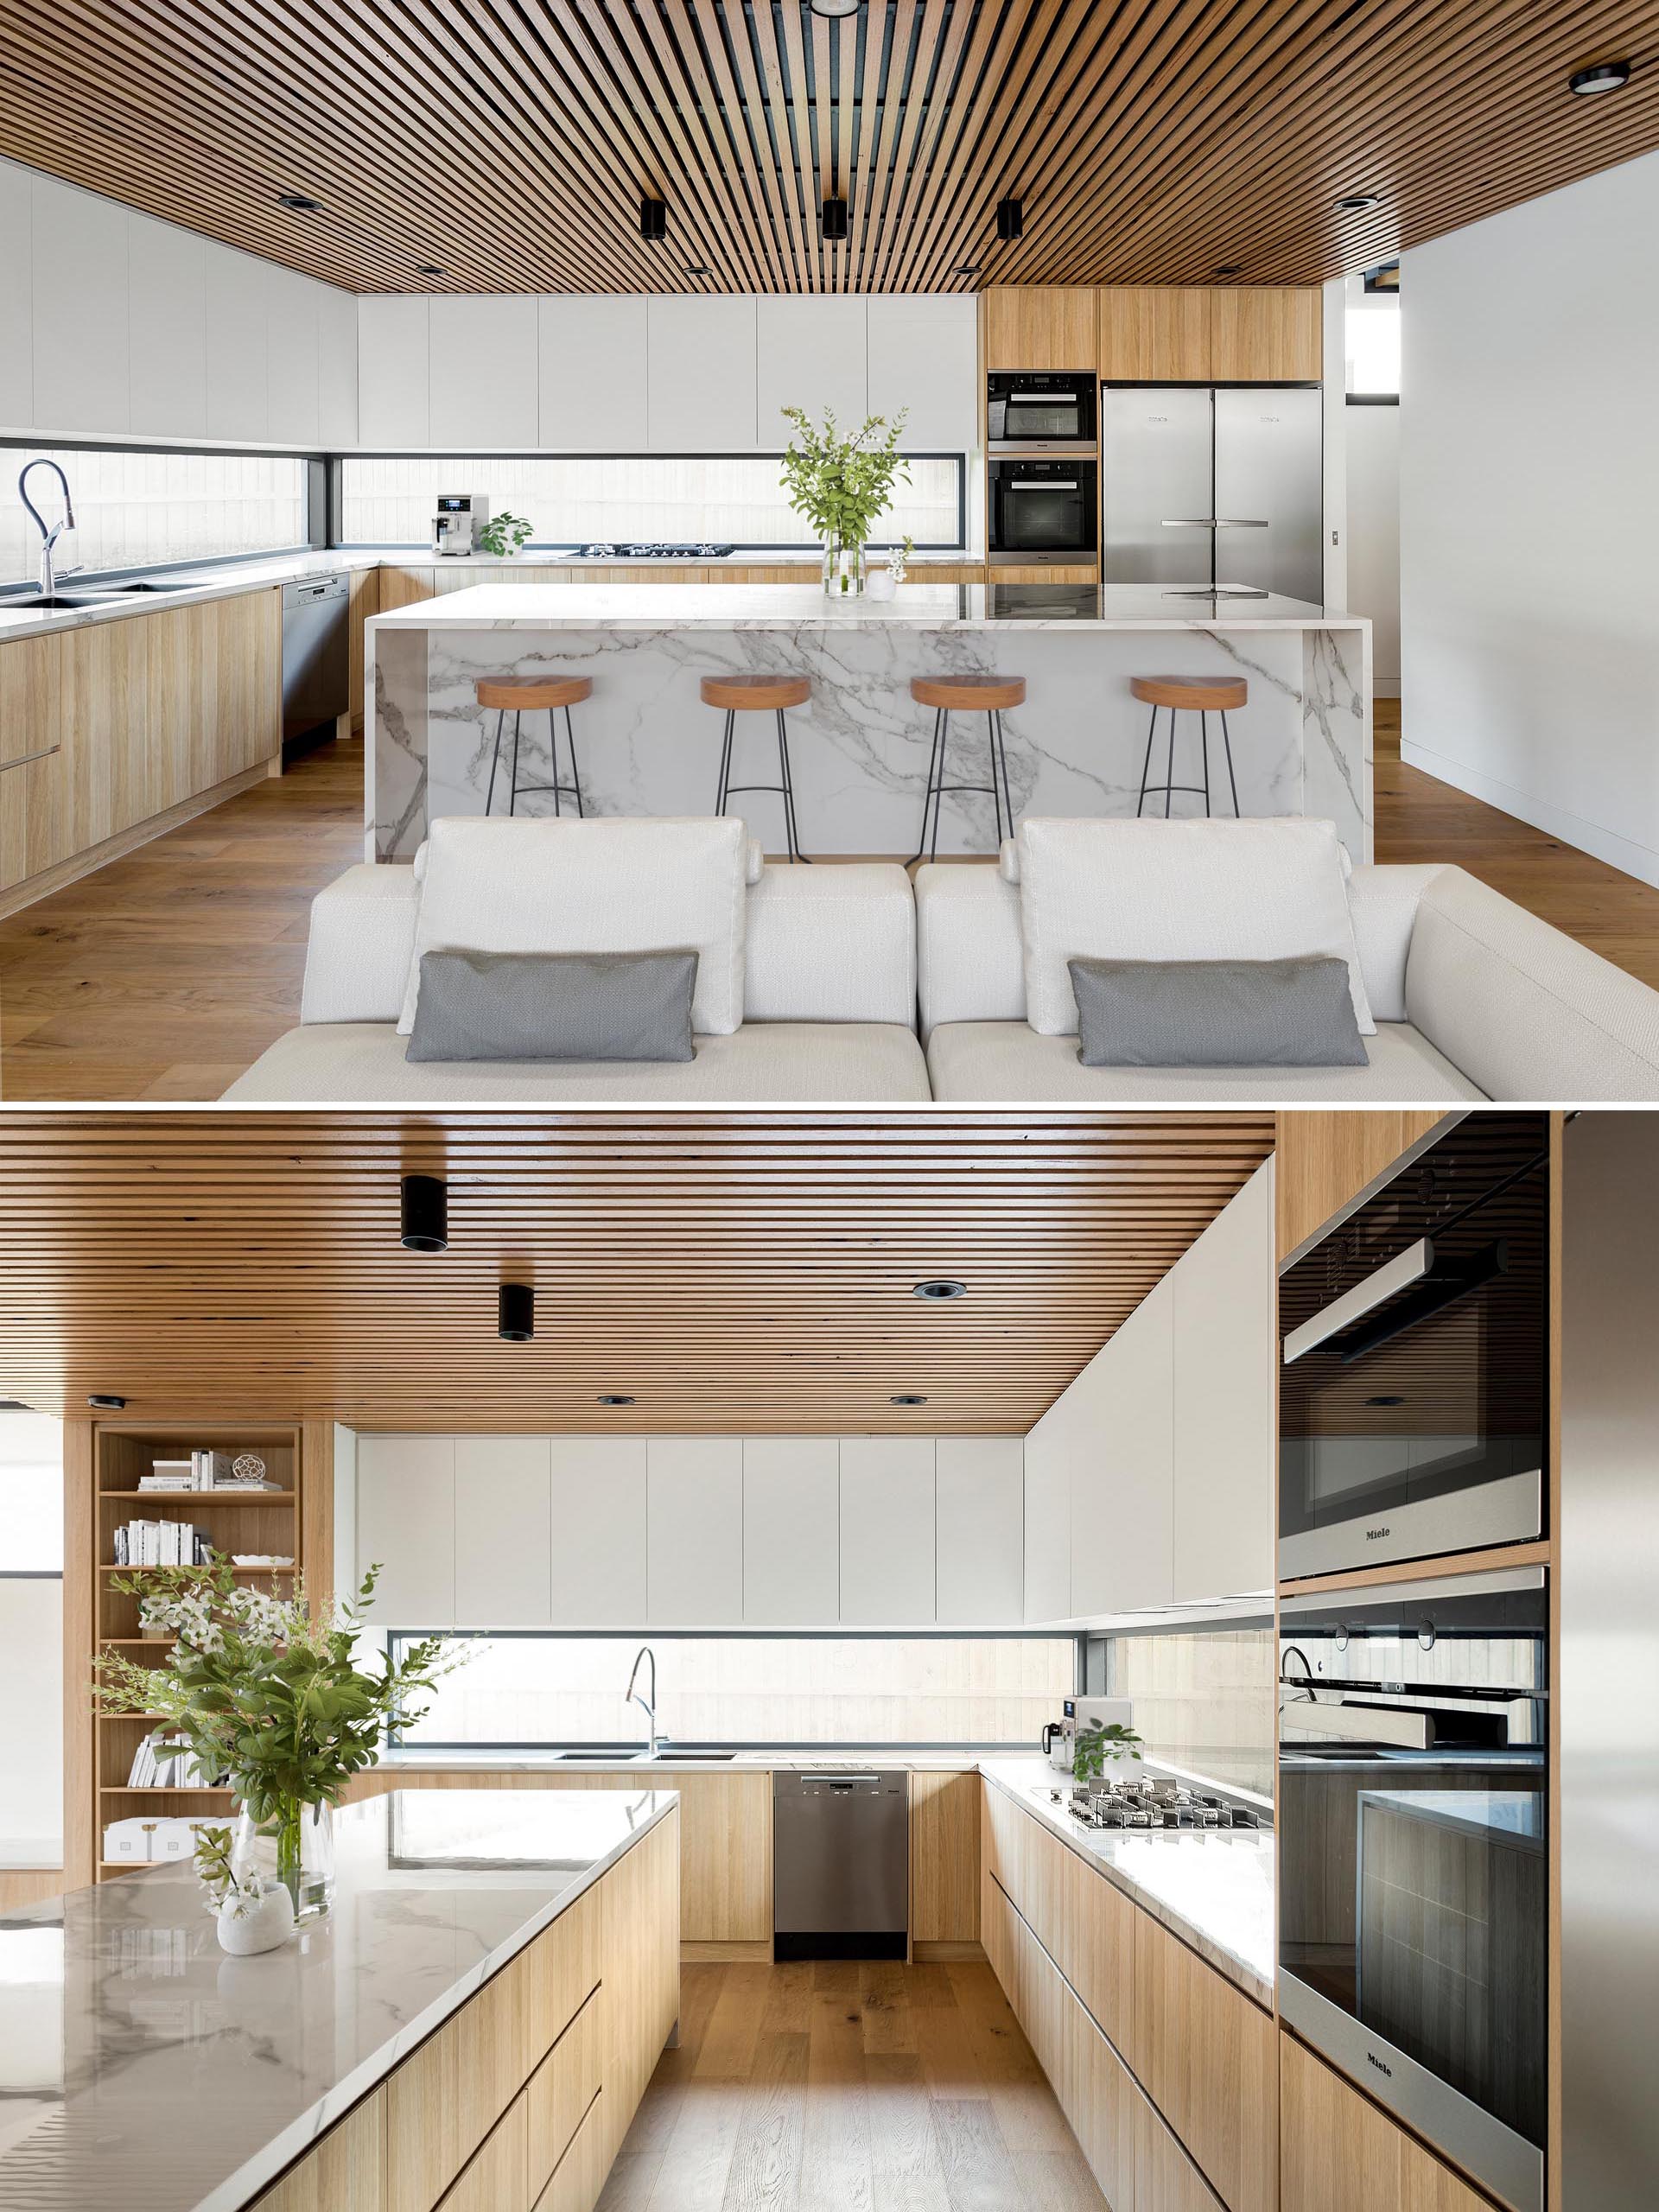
(1394,1276)
(1041,484)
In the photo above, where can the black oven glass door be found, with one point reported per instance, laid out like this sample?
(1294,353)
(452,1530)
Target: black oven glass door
(1413,1360)
(1044,415)
(1043,509)
(1413,1905)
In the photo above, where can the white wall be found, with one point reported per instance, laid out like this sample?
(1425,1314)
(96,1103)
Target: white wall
(31,1640)
(117,326)
(1374,536)
(1529,488)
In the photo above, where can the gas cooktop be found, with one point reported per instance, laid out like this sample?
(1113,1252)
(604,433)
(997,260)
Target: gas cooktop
(1151,1805)
(654,552)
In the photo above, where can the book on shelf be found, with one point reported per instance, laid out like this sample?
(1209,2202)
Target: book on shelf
(164,1762)
(161,1543)
(204,1470)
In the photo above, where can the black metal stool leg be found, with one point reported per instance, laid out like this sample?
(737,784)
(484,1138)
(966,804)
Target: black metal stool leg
(927,799)
(495,757)
(938,788)
(575,772)
(787,780)
(1000,769)
(996,789)
(512,799)
(1169,768)
(553,758)
(1227,743)
(1203,740)
(1146,765)
(725,778)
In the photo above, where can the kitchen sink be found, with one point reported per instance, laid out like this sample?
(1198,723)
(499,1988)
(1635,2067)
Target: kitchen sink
(670,1753)
(602,1758)
(37,602)
(143,583)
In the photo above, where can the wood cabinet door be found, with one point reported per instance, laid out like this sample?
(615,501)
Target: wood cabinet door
(945,1858)
(35,773)
(1158,332)
(346,2173)
(1339,2153)
(1040,326)
(1266,333)
(247,703)
(104,721)
(1323,1159)
(1205,2054)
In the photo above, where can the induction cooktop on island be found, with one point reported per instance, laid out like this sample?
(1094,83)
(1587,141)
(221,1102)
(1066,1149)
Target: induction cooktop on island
(653,552)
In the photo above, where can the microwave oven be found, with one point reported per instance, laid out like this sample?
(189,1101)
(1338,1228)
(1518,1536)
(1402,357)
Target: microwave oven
(1414,1358)
(1040,411)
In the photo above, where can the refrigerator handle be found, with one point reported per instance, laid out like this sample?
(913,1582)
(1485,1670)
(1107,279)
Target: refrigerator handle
(1247,522)
(1189,522)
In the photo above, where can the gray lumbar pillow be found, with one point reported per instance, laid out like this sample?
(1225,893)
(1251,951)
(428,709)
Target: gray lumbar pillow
(1215,1013)
(554,1006)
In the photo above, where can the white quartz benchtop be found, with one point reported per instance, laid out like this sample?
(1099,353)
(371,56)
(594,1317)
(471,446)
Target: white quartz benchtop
(796,606)
(1212,1887)
(139,2066)
(410,1758)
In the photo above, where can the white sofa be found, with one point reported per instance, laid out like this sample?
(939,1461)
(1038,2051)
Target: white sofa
(828,1007)
(1474,998)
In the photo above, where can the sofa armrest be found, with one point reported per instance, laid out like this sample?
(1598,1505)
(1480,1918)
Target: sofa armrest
(970,957)
(1524,1011)
(1383,906)
(362,941)
(831,944)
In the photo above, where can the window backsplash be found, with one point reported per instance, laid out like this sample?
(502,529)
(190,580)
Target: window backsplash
(135,510)
(1207,1702)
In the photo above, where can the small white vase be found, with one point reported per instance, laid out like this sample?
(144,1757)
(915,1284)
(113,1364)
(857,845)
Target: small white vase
(880,584)
(265,1925)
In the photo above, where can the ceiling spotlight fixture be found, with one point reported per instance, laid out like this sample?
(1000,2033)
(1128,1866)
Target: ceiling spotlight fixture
(515,1313)
(834,8)
(653,219)
(938,1288)
(103,1401)
(1010,219)
(697,271)
(1230,269)
(614,1398)
(1385,1401)
(968,269)
(300,202)
(427,269)
(1600,77)
(425,1214)
(907,1398)
(1352,202)
(834,218)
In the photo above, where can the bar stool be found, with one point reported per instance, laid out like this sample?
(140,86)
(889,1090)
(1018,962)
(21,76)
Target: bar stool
(743,694)
(971,694)
(535,694)
(1200,695)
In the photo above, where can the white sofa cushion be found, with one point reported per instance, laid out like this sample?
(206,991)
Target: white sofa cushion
(831,944)
(1007,1062)
(357,954)
(614,885)
(1125,890)
(764,1063)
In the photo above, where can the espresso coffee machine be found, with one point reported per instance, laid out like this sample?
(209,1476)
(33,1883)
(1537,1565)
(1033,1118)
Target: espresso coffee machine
(1060,1737)
(461,516)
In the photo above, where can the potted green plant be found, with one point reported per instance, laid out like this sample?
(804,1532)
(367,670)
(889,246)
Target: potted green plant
(504,535)
(840,485)
(1096,1748)
(267,1691)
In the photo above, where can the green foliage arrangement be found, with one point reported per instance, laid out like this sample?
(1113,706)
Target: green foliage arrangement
(503,533)
(1095,1747)
(842,484)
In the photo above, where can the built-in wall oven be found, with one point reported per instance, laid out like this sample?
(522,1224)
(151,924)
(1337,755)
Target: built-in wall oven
(1414,1358)
(1413,1890)
(1040,411)
(1044,511)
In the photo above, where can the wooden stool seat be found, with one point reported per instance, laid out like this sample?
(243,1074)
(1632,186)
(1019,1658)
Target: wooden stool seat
(743,695)
(1184,694)
(532,695)
(968,695)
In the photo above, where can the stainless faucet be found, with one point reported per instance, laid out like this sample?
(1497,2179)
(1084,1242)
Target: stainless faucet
(48,537)
(653,1741)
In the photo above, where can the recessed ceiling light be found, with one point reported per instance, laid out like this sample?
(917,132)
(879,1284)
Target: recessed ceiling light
(425,1210)
(968,268)
(614,1398)
(427,269)
(515,1313)
(1352,202)
(697,271)
(302,203)
(103,1401)
(907,1398)
(1230,269)
(653,219)
(834,8)
(835,217)
(1600,77)
(938,1288)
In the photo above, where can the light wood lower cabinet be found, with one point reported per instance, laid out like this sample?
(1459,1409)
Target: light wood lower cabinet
(1339,2153)
(944,1823)
(1081,573)
(1086,1925)
(494,2178)
(580,2176)
(346,2173)
(1205,2053)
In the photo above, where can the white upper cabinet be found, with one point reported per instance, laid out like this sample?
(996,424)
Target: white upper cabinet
(792,1510)
(406,1520)
(1121,1469)
(1223,1398)
(922,351)
(168,329)
(79,252)
(592,347)
(979,1551)
(17,290)
(392,405)
(237,292)
(336,367)
(599,1531)
(292,348)
(694,1532)
(502,1531)
(1048,1522)
(700,364)
(887,1531)
(809,353)
(482,386)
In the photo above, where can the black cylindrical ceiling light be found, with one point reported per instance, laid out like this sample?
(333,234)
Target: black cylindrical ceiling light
(515,1313)
(653,219)
(1010,219)
(425,1214)
(104,1402)
(834,218)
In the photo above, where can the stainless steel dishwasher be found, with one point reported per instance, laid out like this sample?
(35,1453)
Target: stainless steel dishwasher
(841,1864)
(316,655)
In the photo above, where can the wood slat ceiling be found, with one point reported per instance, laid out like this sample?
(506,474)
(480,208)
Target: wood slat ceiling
(730,1271)
(510,141)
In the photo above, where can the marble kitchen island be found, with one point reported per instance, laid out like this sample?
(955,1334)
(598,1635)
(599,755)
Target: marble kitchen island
(477,2016)
(859,749)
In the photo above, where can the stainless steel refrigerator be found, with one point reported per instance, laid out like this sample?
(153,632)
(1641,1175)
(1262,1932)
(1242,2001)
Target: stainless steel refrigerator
(1213,487)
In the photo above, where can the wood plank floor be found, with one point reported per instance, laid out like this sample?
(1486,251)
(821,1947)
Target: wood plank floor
(166,974)
(849,2088)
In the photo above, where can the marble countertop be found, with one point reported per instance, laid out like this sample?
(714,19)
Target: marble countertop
(411,1757)
(141,2066)
(796,606)
(1213,1888)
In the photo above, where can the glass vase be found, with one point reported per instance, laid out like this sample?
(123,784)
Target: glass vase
(843,568)
(295,1847)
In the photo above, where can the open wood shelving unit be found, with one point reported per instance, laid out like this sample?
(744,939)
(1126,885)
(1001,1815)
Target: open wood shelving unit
(268,1520)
